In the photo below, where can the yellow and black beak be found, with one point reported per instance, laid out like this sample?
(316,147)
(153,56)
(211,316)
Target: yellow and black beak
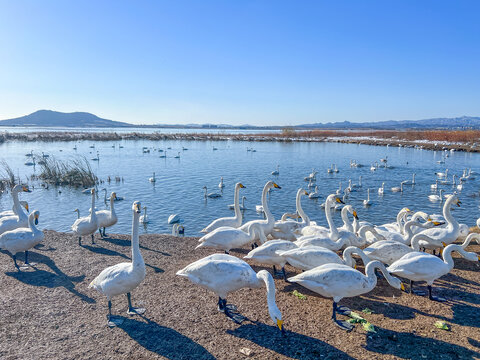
(402,287)
(355,214)
(458,203)
(275,185)
(241,186)
(36,219)
(138,208)
(27,208)
(338,200)
(26,189)
(114,196)
(408,210)
(306,192)
(280,326)
(438,223)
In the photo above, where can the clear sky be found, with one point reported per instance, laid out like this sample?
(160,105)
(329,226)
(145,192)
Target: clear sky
(251,61)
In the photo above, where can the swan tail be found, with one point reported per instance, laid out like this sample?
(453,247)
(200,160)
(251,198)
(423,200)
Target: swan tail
(199,246)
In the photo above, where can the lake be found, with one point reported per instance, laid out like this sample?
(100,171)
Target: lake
(180,181)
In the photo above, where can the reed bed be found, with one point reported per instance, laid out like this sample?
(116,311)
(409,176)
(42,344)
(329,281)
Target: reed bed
(76,173)
(8,177)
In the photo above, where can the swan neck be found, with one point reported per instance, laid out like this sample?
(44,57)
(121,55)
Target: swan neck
(266,209)
(93,214)
(270,287)
(112,208)
(136,255)
(236,202)
(346,220)
(447,213)
(305,218)
(331,224)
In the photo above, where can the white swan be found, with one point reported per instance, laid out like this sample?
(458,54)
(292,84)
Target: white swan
(87,225)
(338,281)
(124,277)
(420,266)
(221,185)
(234,221)
(315,194)
(172,219)
(267,254)
(107,218)
(78,213)
(367,201)
(321,230)
(268,224)
(17,205)
(227,238)
(211,195)
(223,274)
(408,232)
(144,218)
(448,234)
(22,239)
(242,205)
(434,186)
(20,220)
(309,257)
(152,179)
(381,190)
(347,225)
(435,198)
(398,188)
(284,229)
(276,172)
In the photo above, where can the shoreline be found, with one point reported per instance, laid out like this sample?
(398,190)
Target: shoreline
(467,141)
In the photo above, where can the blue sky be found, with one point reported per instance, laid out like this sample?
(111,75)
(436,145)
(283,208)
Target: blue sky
(237,62)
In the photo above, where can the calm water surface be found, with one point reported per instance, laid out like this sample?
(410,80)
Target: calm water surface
(179,181)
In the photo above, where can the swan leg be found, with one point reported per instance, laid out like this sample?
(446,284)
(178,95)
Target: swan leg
(113,321)
(93,239)
(415,292)
(284,275)
(226,252)
(433,297)
(14,257)
(80,240)
(104,233)
(133,310)
(27,264)
(100,231)
(231,312)
(341,324)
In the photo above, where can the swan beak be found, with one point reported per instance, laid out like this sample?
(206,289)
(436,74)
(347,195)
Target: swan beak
(36,219)
(355,214)
(26,207)
(458,203)
(339,200)
(444,244)
(408,210)
(438,223)
(429,219)
(242,186)
(137,208)
(402,287)
(355,266)
(276,186)
(306,193)
(280,325)
(26,189)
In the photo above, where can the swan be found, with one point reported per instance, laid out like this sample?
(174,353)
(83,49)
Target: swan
(211,195)
(164,154)
(315,194)
(442,175)
(434,186)
(268,224)
(448,234)
(78,213)
(227,238)
(107,218)
(30,154)
(144,218)
(312,175)
(335,169)
(31,163)
(20,220)
(22,239)
(397,225)
(87,225)
(408,232)
(234,221)
(367,201)
(321,230)
(223,274)
(221,185)
(17,205)
(242,205)
(276,172)
(284,229)
(177,156)
(347,225)
(435,198)
(381,189)
(267,253)
(339,190)
(124,277)
(338,281)
(398,188)
(152,179)
(309,257)
(420,266)
(174,218)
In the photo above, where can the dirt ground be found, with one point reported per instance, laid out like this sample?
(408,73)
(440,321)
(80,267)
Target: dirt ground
(50,313)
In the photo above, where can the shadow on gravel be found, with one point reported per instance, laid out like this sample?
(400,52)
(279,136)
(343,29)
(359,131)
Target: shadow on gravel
(103,251)
(410,346)
(48,279)
(122,242)
(292,345)
(164,341)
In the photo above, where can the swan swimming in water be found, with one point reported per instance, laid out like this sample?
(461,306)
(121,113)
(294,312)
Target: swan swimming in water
(20,219)
(123,278)
(211,195)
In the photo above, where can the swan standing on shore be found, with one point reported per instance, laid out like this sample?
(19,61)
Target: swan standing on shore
(124,277)
(87,225)
(107,218)
(234,221)
(268,224)
(22,239)
(20,220)
(284,229)
(338,281)
(223,274)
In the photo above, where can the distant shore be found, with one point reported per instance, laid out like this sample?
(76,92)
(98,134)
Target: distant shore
(466,140)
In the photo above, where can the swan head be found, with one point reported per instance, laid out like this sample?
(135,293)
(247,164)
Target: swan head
(92,191)
(113,195)
(34,217)
(240,185)
(137,207)
(25,205)
(25,188)
(276,186)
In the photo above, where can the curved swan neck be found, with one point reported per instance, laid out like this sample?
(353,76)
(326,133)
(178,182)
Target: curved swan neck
(368,228)
(266,209)
(348,258)
(255,230)
(346,220)
(328,214)
(112,208)
(408,233)
(447,212)
(470,237)
(16,203)
(305,218)
(265,276)
(415,243)
(447,254)
(236,202)
(136,255)
(93,214)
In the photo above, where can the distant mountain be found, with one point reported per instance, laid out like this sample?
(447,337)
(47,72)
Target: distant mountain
(49,118)
(463,122)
